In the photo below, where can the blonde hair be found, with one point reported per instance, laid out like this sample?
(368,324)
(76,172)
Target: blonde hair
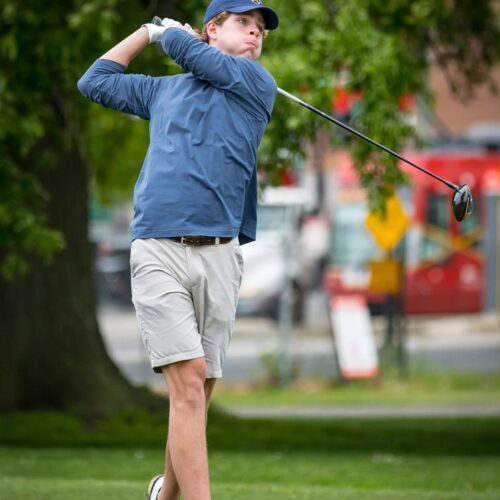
(219,19)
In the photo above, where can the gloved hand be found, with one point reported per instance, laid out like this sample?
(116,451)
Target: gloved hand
(188,29)
(154,31)
(170,23)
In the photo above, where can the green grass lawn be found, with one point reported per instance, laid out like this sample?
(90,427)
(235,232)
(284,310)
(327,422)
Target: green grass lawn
(62,457)
(58,457)
(123,473)
(420,387)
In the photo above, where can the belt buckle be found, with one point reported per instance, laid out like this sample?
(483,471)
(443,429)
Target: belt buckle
(185,241)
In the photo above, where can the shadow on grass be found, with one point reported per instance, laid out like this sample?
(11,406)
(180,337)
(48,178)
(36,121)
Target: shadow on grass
(461,436)
(430,436)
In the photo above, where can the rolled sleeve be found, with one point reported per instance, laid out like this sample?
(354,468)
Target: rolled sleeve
(105,83)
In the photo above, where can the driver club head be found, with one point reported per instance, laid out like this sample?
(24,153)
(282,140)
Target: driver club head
(462,202)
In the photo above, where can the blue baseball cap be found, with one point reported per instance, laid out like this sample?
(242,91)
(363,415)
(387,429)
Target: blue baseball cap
(271,20)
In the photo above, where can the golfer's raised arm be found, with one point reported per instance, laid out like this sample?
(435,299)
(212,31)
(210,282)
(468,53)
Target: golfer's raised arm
(105,82)
(126,50)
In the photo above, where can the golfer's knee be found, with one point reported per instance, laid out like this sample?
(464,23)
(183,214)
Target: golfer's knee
(187,390)
(191,399)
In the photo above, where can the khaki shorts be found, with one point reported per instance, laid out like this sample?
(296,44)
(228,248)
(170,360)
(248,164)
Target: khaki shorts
(185,299)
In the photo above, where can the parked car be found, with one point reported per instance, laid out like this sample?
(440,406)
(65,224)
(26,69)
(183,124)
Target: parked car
(111,259)
(280,253)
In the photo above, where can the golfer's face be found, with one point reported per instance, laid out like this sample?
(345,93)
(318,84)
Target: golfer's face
(241,35)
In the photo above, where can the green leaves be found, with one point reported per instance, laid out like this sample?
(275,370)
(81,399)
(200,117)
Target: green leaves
(44,47)
(23,233)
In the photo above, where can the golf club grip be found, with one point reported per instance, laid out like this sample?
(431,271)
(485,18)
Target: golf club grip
(156,20)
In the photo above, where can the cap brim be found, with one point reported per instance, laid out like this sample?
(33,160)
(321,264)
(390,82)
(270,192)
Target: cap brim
(271,20)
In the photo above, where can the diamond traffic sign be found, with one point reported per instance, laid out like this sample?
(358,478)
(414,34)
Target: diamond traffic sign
(387,229)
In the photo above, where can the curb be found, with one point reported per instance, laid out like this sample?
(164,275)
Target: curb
(371,411)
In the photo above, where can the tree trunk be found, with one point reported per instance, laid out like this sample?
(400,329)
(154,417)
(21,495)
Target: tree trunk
(52,353)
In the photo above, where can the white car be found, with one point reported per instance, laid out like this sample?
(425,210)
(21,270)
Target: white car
(279,253)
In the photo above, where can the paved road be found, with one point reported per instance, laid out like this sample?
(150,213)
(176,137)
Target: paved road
(367,411)
(467,343)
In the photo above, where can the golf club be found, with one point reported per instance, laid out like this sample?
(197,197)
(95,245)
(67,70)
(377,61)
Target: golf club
(462,202)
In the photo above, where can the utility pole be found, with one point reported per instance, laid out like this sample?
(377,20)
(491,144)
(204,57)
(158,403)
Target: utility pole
(492,244)
(285,312)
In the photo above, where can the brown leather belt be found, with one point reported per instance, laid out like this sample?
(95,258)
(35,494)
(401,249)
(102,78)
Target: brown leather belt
(198,241)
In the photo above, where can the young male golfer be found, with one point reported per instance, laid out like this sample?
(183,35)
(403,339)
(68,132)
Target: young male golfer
(194,202)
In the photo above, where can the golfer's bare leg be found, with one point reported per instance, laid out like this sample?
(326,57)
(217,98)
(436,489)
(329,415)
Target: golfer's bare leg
(171,489)
(187,448)
(209,389)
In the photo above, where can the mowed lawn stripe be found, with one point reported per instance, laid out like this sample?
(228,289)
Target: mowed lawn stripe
(109,473)
(244,491)
(80,489)
(86,488)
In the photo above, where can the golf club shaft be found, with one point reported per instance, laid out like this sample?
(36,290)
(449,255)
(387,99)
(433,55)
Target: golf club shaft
(366,138)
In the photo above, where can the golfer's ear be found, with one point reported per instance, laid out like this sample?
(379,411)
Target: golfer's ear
(211,30)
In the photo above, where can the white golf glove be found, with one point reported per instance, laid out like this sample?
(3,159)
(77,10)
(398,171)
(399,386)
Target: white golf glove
(188,29)
(156,31)
(170,23)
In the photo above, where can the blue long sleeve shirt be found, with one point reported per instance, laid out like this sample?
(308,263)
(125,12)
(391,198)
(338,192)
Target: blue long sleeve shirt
(199,173)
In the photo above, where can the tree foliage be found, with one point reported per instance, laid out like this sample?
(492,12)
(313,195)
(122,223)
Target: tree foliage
(40,57)
(44,49)
(52,353)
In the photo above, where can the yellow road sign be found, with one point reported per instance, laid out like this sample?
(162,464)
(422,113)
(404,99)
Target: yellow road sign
(389,228)
(385,275)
